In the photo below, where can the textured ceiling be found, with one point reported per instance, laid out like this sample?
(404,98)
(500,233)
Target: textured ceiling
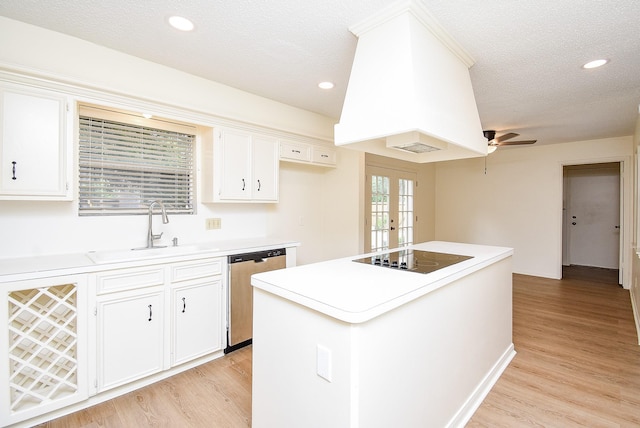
(527,77)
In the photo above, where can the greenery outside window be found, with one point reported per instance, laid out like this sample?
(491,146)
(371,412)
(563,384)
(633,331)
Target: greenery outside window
(127,161)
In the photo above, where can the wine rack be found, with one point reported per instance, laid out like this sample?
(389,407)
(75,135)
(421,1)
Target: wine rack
(43,345)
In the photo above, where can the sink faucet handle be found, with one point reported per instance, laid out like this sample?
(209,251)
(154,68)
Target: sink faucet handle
(157,236)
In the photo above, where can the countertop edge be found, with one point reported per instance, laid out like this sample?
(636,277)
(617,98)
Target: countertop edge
(369,314)
(28,268)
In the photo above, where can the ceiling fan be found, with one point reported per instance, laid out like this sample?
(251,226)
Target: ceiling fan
(494,141)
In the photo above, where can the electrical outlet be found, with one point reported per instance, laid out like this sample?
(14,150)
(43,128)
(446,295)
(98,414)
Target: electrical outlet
(213,223)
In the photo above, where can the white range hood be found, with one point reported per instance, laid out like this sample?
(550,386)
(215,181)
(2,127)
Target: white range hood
(409,95)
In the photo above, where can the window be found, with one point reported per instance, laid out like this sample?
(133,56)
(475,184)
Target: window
(405,212)
(379,213)
(126,162)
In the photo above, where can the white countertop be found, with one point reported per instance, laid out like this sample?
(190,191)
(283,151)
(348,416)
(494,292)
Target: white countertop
(356,292)
(15,269)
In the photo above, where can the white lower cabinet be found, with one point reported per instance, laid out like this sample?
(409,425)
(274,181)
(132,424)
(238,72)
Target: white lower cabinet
(68,338)
(197,324)
(138,335)
(43,346)
(130,337)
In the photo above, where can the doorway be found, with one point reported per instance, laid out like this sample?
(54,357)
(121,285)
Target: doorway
(592,216)
(389,208)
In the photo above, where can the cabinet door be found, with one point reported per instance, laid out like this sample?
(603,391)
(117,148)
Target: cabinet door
(130,337)
(43,346)
(323,156)
(265,157)
(290,150)
(197,320)
(33,141)
(236,181)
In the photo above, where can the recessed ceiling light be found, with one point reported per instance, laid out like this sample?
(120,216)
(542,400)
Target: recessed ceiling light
(325,85)
(147,115)
(596,63)
(180,23)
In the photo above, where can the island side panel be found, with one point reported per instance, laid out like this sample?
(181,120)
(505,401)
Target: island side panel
(431,361)
(287,391)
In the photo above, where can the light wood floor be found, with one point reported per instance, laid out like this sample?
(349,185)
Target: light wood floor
(578,359)
(577,364)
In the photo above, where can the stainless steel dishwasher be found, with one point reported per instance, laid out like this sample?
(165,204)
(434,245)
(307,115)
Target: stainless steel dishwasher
(240,303)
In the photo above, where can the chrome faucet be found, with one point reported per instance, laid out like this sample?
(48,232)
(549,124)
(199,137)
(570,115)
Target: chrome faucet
(165,220)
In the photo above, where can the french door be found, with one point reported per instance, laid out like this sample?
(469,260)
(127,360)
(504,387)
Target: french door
(389,216)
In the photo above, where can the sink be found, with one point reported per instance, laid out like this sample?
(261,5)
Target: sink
(113,256)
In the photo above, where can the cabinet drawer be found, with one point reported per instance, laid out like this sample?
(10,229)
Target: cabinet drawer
(295,151)
(127,279)
(323,155)
(195,269)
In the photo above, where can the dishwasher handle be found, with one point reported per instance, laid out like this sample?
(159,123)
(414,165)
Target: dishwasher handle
(258,256)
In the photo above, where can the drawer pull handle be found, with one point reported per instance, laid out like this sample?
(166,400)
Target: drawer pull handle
(243,184)
(184,304)
(14,170)
(295,151)
(259,185)
(150,312)
(324,156)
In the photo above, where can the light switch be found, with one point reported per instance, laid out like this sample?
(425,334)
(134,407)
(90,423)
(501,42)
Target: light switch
(324,362)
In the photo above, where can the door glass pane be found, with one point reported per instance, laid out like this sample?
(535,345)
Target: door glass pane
(379,213)
(405,212)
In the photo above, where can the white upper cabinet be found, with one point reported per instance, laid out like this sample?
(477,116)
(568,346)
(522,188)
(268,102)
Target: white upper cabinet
(311,154)
(293,151)
(323,156)
(265,169)
(234,166)
(245,168)
(34,141)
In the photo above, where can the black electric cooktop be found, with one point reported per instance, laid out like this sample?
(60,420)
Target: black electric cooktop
(413,260)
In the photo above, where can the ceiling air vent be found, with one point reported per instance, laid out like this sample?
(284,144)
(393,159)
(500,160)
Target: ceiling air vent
(415,142)
(417,148)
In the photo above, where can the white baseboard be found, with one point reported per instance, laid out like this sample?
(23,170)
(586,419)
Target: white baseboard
(474,401)
(636,314)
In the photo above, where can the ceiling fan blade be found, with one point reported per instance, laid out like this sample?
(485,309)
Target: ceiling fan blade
(516,143)
(504,137)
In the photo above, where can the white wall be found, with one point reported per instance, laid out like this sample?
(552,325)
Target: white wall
(96,74)
(635,280)
(320,207)
(518,203)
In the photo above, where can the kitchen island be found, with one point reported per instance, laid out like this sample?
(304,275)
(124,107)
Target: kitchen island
(348,344)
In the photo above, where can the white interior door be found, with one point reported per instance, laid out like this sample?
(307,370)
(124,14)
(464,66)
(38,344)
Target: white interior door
(593,215)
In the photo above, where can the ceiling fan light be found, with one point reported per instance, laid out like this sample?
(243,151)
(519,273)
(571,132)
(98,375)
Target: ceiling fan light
(491,149)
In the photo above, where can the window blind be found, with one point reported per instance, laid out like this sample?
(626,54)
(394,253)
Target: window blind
(124,167)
